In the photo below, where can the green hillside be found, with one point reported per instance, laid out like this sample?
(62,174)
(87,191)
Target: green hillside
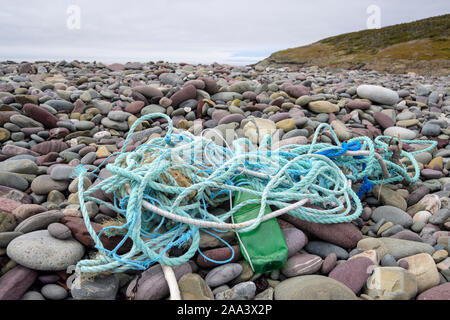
(421,46)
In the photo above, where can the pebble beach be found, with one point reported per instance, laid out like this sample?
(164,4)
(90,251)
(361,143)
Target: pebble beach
(55,116)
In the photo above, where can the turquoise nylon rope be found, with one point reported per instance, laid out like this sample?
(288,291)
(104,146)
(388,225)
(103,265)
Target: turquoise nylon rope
(296,172)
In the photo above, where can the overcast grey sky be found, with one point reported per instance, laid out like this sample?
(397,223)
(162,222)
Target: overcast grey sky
(194,31)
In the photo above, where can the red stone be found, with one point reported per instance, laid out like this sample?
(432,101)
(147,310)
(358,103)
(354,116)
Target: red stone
(218,254)
(383,120)
(297,91)
(80,232)
(57,133)
(188,92)
(353,273)
(40,114)
(49,146)
(362,105)
(135,107)
(11,150)
(16,282)
(441,292)
(210,85)
(345,235)
(116,67)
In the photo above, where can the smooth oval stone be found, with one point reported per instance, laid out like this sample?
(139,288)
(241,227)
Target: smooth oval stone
(383,120)
(19,166)
(49,278)
(392,214)
(353,273)
(295,240)
(398,248)
(297,91)
(117,115)
(59,231)
(312,287)
(84,125)
(153,108)
(323,107)
(218,115)
(223,274)
(39,251)
(323,249)
(388,261)
(120,126)
(417,195)
(431,129)
(431,174)
(44,184)
(407,235)
(231,118)
(301,264)
(24,122)
(13,180)
(188,92)
(404,133)
(134,107)
(345,235)
(226,96)
(329,263)
(54,292)
(355,104)
(170,78)
(378,94)
(440,216)
(39,221)
(390,197)
(62,172)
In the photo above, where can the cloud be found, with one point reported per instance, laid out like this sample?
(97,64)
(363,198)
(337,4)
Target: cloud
(179,30)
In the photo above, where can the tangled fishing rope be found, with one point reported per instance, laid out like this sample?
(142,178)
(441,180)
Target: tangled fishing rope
(166,189)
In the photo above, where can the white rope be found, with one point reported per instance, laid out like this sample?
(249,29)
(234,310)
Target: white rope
(171,280)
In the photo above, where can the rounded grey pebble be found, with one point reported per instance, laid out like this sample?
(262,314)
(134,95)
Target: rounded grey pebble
(404,264)
(54,292)
(32,295)
(223,274)
(59,231)
(388,261)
